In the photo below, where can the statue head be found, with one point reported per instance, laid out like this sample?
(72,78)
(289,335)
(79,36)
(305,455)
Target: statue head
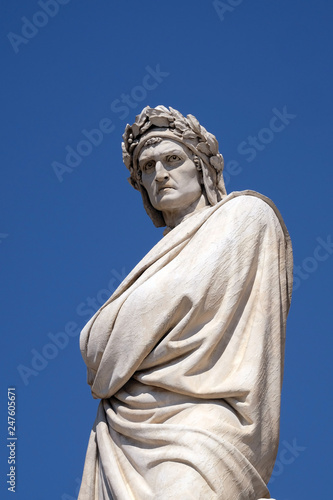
(155,126)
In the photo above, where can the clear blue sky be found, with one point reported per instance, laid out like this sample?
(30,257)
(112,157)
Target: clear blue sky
(72,227)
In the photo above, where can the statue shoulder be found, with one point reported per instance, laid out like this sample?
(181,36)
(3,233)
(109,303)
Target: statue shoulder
(250,204)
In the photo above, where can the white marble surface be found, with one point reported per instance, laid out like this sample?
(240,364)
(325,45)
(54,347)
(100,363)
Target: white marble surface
(187,354)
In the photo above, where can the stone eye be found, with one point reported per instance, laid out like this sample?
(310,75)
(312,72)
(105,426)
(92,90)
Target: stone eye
(149,165)
(173,158)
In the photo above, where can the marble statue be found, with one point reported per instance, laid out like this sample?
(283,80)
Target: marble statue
(187,355)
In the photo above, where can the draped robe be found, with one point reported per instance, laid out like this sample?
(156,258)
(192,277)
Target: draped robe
(187,359)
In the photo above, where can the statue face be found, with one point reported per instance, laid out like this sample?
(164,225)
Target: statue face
(170,176)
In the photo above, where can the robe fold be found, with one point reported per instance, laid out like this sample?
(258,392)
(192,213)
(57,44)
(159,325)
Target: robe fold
(187,359)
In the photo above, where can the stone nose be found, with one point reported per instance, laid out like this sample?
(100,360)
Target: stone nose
(161,173)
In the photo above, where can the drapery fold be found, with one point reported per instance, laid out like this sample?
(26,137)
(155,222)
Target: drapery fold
(187,357)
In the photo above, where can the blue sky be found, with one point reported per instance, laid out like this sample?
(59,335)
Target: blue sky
(72,227)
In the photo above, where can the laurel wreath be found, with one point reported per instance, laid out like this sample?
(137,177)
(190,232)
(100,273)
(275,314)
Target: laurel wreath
(187,129)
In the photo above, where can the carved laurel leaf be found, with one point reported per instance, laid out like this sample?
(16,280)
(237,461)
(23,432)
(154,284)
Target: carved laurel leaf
(176,114)
(203,148)
(181,125)
(141,118)
(188,134)
(160,111)
(217,162)
(159,121)
(195,125)
(211,142)
(145,127)
(160,107)
(135,129)
(126,133)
